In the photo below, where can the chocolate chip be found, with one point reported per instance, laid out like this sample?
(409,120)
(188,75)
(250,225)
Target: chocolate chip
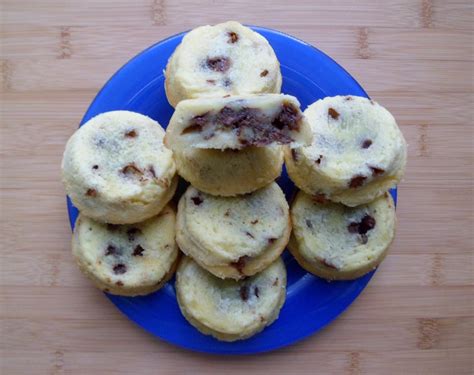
(151,169)
(319,198)
(244,292)
(254,222)
(271,240)
(132,232)
(357,181)
(192,129)
(91,193)
(197,200)
(376,171)
(288,117)
(120,269)
(112,250)
(197,123)
(95,167)
(218,64)
(138,251)
(233,37)
(131,134)
(131,170)
(327,264)
(227,82)
(249,234)
(253,127)
(229,117)
(294,154)
(275,283)
(318,160)
(367,143)
(309,224)
(367,223)
(211,81)
(348,97)
(256,292)
(333,113)
(353,227)
(262,319)
(240,264)
(227,213)
(119,283)
(264,73)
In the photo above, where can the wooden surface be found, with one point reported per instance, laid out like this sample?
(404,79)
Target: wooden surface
(414,56)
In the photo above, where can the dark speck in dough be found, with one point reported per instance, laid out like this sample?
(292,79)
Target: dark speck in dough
(376,171)
(244,292)
(120,269)
(138,251)
(91,193)
(367,143)
(112,250)
(197,200)
(333,113)
(233,37)
(218,64)
(256,292)
(240,264)
(357,181)
(131,133)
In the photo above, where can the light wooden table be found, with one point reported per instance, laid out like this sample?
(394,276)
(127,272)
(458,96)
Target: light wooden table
(415,57)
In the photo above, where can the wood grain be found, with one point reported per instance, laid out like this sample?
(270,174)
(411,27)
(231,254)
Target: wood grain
(414,56)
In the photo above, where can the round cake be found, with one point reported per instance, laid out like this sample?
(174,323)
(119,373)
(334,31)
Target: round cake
(225,59)
(116,168)
(233,237)
(230,310)
(357,154)
(337,242)
(127,260)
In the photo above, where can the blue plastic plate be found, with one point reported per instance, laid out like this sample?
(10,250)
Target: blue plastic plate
(311,302)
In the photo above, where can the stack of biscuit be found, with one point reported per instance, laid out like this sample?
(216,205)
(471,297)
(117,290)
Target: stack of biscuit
(119,174)
(233,221)
(344,217)
(228,137)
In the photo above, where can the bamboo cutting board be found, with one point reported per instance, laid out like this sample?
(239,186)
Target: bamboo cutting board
(413,56)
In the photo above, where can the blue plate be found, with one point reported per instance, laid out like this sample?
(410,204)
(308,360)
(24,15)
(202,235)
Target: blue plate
(311,302)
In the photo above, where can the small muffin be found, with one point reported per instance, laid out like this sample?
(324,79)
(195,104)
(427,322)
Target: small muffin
(230,310)
(127,260)
(225,59)
(238,121)
(229,172)
(358,152)
(233,237)
(116,168)
(337,242)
